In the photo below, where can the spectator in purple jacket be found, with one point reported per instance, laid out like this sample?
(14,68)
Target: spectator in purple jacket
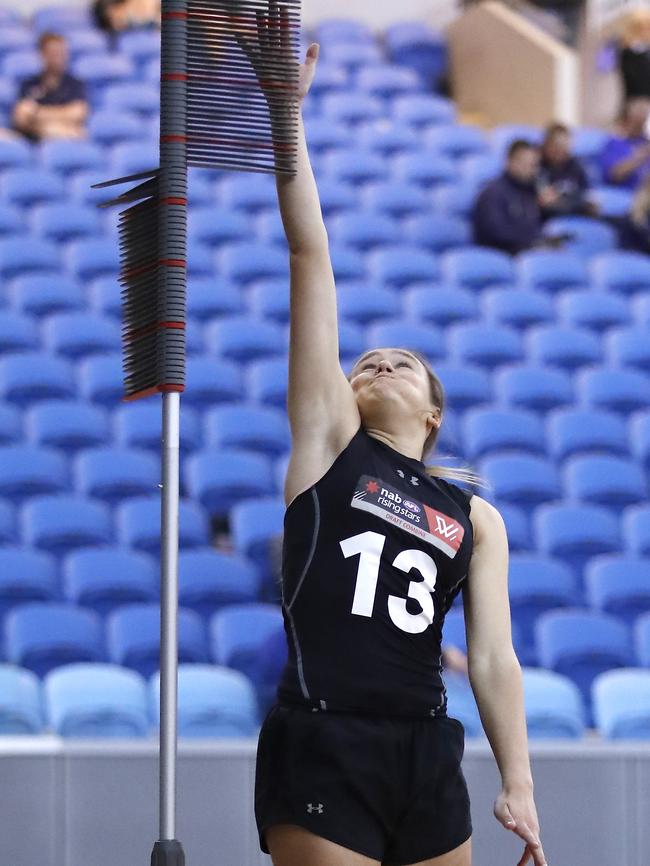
(53,103)
(625,160)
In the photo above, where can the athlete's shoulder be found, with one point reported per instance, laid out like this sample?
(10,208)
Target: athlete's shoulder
(462,495)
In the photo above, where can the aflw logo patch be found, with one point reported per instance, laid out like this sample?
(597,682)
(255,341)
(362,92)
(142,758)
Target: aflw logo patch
(379,498)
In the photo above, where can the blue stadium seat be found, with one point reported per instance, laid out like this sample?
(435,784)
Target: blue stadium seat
(612,202)
(502,136)
(476,267)
(30,376)
(472,343)
(324,135)
(268,381)
(623,272)
(639,306)
(604,480)
(455,199)
(351,108)
(387,138)
(27,470)
(80,186)
(465,385)
(138,523)
(248,193)
(437,232)
(221,479)
(243,338)
(418,46)
(210,380)
(422,109)
(406,334)
(351,55)
(14,36)
(211,297)
(532,387)
(578,431)
(582,644)
(521,479)
(642,639)
(619,585)
(354,165)
(554,706)
(621,701)
(104,578)
(139,425)
(537,584)
(66,424)
(12,220)
(100,379)
(551,271)
(564,347)
(628,347)
(96,700)
(133,157)
(11,424)
(588,142)
(21,63)
(337,30)
(42,294)
(586,236)
(210,579)
(26,575)
(113,473)
(347,264)
(20,259)
(79,334)
(575,533)
(67,221)
(111,126)
(212,702)
(18,333)
(133,637)
(461,704)
(496,429)
(636,529)
(640,438)
(45,635)
(363,304)
(257,428)
(25,186)
(336,196)
(456,140)
(352,341)
(585,308)
(399,200)
(140,45)
(243,262)
(213,226)
(479,168)
(254,523)
(439,306)
(273,659)
(335,79)
(15,153)
(386,80)
(613,388)
(269,299)
(57,523)
(397,265)
(93,257)
(62,18)
(64,156)
(100,70)
(8,522)
(20,702)
(363,229)
(238,633)
(86,41)
(516,309)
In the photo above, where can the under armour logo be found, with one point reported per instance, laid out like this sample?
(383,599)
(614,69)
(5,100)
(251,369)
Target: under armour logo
(318,808)
(400,472)
(414,480)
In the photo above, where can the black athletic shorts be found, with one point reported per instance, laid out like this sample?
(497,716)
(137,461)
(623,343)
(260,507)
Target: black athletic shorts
(389,788)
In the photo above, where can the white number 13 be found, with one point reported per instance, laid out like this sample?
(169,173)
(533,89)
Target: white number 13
(369,546)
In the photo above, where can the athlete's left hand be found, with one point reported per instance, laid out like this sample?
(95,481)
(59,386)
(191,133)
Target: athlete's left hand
(515,809)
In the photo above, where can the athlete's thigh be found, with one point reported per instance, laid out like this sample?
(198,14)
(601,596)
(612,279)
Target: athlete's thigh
(291,845)
(461,856)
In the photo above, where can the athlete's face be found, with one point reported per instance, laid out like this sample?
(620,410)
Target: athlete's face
(391,376)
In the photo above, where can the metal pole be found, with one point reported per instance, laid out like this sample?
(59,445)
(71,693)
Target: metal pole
(169,613)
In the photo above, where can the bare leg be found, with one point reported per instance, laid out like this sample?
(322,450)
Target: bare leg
(461,856)
(294,846)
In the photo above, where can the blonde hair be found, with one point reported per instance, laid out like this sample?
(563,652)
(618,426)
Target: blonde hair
(463,474)
(633,24)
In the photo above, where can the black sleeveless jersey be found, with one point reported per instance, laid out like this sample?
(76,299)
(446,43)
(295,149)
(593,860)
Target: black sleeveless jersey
(374,554)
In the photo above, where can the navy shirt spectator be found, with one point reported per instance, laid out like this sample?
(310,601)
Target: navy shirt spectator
(53,103)
(625,160)
(563,182)
(507,214)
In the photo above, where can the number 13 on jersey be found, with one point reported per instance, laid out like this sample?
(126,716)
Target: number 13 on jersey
(369,547)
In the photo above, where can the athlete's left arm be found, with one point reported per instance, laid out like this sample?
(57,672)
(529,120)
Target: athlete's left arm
(495,673)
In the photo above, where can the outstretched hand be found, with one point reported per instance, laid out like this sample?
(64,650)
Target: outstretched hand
(517,813)
(270,51)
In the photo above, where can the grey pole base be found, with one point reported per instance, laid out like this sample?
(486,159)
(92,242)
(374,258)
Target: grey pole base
(168,852)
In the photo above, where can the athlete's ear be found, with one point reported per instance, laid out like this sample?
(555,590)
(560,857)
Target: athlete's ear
(434,419)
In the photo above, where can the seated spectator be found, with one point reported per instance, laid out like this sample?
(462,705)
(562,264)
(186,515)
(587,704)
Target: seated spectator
(114,16)
(625,160)
(507,214)
(635,230)
(562,182)
(634,54)
(53,103)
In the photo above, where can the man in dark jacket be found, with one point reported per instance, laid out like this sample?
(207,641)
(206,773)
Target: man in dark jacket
(507,214)
(563,183)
